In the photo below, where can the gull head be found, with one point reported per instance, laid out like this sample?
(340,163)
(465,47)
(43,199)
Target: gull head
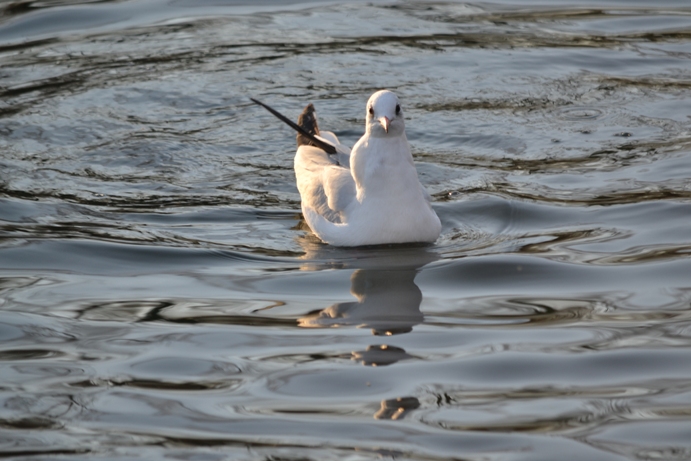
(384,115)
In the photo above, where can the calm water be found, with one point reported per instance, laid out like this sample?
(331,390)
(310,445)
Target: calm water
(160,297)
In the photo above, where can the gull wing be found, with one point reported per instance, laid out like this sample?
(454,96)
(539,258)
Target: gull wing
(325,186)
(325,182)
(342,151)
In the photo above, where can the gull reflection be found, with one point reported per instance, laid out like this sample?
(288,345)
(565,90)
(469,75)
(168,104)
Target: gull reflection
(380,355)
(388,302)
(383,284)
(396,408)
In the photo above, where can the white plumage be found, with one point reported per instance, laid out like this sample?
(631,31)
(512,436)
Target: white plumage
(370,195)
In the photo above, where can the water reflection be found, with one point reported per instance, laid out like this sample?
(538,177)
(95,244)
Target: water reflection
(388,302)
(380,355)
(397,408)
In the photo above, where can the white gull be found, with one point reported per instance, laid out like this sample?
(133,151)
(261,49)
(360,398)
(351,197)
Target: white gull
(369,195)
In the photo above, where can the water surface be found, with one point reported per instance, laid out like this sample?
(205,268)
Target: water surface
(161,298)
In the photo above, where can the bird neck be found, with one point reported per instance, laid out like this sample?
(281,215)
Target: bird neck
(382,164)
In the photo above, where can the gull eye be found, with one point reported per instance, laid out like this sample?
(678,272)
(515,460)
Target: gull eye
(398,109)
(371,110)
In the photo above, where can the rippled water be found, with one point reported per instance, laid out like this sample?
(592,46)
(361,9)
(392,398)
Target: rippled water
(160,297)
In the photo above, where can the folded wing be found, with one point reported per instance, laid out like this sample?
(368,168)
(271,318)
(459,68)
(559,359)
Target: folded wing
(324,186)
(322,167)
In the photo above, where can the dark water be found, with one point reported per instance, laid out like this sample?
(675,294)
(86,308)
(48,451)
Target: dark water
(161,299)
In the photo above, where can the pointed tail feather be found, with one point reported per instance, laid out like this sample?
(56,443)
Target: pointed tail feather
(327,147)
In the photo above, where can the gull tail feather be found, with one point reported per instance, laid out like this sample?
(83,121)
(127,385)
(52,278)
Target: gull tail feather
(325,146)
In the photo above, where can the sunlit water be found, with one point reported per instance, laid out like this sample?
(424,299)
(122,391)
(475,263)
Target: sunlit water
(160,297)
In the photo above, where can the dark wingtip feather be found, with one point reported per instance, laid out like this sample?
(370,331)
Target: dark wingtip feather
(308,121)
(328,148)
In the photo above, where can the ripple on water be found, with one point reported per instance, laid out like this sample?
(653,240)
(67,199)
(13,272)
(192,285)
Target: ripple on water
(580,113)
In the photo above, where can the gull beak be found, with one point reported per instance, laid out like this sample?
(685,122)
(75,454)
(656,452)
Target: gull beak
(385,122)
